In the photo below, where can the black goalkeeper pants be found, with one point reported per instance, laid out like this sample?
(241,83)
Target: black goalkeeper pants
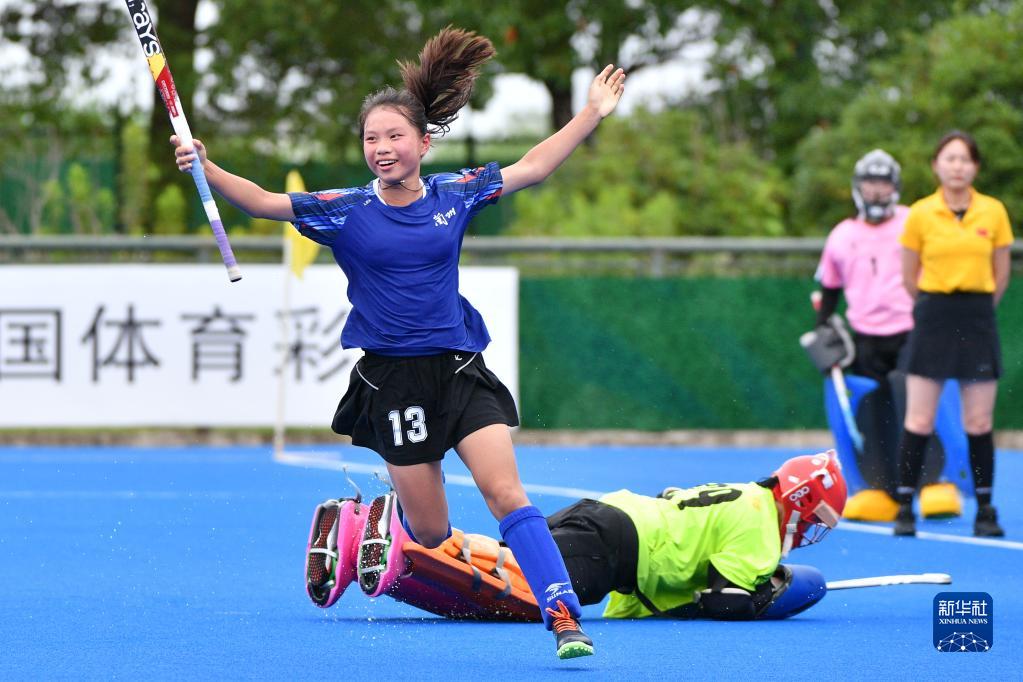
(599,545)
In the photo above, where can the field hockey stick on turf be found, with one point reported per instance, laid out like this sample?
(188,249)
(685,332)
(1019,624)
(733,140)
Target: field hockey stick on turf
(883,580)
(838,378)
(841,391)
(142,20)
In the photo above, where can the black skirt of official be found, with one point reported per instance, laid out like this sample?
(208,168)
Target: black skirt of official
(955,336)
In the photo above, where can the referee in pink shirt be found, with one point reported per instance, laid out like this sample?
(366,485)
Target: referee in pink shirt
(862,258)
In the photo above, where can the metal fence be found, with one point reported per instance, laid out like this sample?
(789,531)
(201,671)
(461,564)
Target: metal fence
(536,256)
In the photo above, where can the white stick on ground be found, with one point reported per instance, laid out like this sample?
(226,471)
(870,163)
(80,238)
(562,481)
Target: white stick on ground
(882,580)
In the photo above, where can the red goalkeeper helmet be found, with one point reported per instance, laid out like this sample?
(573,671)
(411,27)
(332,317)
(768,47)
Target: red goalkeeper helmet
(811,491)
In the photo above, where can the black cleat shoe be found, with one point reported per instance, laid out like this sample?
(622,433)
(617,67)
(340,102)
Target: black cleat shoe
(986,523)
(905,521)
(571,640)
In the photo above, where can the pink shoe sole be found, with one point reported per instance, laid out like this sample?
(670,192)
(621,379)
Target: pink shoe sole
(332,550)
(381,561)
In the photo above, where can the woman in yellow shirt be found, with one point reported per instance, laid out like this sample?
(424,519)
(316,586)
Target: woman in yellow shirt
(956,266)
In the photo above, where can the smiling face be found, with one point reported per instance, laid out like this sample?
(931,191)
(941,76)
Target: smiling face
(954,166)
(393,148)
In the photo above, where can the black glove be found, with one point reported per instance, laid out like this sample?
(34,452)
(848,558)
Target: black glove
(829,345)
(724,600)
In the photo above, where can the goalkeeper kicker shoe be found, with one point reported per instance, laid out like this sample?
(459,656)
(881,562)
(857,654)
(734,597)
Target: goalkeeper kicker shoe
(572,642)
(332,549)
(871,505)
(381,559)
(940,501)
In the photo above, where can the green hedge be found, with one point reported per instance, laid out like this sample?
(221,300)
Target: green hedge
(702,353)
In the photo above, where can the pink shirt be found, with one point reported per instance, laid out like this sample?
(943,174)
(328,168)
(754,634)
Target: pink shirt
(866,262)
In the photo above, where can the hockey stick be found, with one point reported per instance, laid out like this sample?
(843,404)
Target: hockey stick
(841,391)
(882,580)
(838,378)
(158,66)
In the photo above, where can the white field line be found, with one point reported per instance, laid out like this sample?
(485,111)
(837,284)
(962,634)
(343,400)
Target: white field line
(335,464)
(117,495)
(927,535)
(311,459)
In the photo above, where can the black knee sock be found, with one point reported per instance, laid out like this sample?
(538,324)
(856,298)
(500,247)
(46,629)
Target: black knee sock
(912,448)
(982,463)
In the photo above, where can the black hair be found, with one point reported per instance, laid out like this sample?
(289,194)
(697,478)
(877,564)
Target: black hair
(965,138)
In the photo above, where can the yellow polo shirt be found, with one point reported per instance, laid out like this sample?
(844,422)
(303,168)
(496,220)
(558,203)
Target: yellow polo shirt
(956,255)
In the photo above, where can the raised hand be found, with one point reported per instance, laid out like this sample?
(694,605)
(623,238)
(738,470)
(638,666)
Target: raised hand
(184,154)
(606,90)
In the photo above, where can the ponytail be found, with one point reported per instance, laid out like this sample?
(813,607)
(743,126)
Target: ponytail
(439,85)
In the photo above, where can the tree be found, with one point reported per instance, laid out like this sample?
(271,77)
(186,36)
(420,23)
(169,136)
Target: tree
(63,42)
(967,73)
(66,42)
(292,75)
(655,175)
(549,41)
(783,67)
(60,43)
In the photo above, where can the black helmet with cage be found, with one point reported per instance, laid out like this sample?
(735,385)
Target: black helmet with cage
(872,205)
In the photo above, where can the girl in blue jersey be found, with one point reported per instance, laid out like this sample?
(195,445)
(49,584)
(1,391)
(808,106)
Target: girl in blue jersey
(422,386)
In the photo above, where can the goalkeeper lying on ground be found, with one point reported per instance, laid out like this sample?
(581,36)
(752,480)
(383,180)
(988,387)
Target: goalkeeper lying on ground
(712,551)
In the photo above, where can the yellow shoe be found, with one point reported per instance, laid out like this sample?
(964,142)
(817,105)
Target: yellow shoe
(871,505)
(940,501)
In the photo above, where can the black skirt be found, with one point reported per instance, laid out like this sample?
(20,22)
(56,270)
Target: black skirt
(955,336)
(412,410)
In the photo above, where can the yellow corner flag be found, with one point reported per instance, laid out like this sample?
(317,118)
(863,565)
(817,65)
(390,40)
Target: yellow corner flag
(303,251)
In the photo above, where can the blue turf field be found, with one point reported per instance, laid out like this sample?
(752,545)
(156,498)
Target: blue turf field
(188,564)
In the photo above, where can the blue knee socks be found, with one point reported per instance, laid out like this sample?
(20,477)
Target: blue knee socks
(526,533)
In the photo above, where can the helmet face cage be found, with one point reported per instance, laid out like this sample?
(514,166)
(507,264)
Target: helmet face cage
(806,498)
(812,492)
(876,165)
(810,531)
(810,534)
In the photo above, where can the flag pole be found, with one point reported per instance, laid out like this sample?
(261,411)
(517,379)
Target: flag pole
(296,254)
(285,322)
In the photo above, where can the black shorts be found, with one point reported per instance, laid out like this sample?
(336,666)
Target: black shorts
(413,410)
(600,547)
(876,356)
(955,337)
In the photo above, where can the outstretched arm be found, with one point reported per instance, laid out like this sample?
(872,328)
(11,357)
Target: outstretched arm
(541,160)
(241,193)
